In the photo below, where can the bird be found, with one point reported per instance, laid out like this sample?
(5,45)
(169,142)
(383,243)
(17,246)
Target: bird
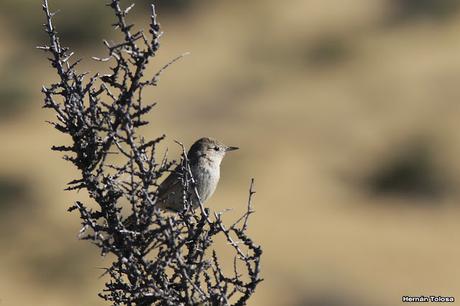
(204,157)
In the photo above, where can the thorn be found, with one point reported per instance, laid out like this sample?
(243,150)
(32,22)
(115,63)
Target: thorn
(68,57)
(101,59)
(129,8)
(54,13)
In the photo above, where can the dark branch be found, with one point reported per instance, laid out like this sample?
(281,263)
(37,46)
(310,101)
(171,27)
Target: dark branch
(160,258)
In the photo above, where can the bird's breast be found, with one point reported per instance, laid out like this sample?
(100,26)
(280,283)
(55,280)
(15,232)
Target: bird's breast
(206,177)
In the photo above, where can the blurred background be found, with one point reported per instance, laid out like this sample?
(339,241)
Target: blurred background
(346,113)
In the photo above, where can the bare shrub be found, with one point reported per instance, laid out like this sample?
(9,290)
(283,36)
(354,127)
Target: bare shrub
(163,258)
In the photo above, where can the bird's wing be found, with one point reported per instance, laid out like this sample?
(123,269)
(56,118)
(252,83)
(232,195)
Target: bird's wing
(170,191)
(168,188)
(170,184)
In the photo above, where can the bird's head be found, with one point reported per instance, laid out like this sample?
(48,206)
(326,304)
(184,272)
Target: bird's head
(208,148)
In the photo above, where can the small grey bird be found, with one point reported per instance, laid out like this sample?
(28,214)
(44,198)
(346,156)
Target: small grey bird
(204,156)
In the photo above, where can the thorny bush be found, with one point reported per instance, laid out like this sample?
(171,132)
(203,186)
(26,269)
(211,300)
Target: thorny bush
(164,258)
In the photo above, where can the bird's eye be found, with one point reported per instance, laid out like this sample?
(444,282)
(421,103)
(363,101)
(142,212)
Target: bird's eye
(216,149)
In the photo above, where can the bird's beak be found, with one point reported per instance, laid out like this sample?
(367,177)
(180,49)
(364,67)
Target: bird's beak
(228,149)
